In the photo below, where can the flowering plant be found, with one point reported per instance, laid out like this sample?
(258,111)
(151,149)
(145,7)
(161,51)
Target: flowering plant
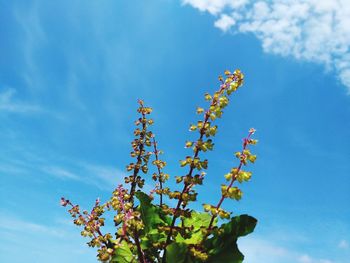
(147,231)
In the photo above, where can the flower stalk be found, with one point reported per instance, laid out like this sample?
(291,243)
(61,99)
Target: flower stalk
(243,156)
(217,103)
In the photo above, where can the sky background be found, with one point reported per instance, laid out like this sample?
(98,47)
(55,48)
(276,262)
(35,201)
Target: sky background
(70,76)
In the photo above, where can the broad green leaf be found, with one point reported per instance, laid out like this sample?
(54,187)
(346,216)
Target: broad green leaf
(151,215)
(222,247)
(178,253)
(123,254)
(197,220)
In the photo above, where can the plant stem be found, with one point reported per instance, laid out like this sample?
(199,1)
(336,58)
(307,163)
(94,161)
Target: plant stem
(159,172)
(138,246)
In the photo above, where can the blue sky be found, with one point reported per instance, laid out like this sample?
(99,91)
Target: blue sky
(70,76)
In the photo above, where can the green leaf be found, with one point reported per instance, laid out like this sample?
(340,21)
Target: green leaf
(178,253)
(122,254)
(222,247)
(151,215)
(197,220)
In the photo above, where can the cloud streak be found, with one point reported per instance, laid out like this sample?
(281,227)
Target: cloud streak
(9,104)
(313,31)
(307,259)
(37,240)
(14,224)
(28,164)
(61,173)
(258,249)
(103,177)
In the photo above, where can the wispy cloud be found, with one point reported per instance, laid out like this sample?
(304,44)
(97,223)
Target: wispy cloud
(34,37)
(8,103)
(314,31)
(257,250)
(103,177)
(33,163)
(37,240)
(61,173)
(15,224)
(307,259)
(105,173)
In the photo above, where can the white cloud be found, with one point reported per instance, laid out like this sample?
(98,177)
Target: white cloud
(225,22)
(9,104)
(215,6)
(307,259)
(258,250)
(314,31)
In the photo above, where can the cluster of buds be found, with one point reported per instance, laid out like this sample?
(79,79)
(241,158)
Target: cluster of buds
(92,223)
(191,180)
(240,176)
(216,211)
(198,252)
(246,156)
(126,216)
(194,162)
(231,192)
